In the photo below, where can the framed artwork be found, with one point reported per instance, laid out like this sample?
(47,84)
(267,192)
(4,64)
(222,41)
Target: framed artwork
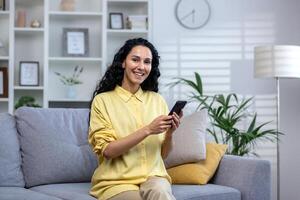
(75,42)
(29,73)
(3,82)
(116,21)
(2,4)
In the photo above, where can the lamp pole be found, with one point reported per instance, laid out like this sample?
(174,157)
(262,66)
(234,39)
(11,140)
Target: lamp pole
(278,128)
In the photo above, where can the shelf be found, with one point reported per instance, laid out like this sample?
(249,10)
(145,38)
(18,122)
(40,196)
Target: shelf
(6,12)
(3,99)
(28,87)
(60,13)
(28,29)
(69,100)
(127,31)
(72,59)
(4,58)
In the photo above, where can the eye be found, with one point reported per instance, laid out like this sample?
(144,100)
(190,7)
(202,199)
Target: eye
(147,61)
(134,59)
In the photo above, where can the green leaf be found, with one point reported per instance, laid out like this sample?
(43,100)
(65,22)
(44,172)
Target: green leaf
(199,83)
(252,124)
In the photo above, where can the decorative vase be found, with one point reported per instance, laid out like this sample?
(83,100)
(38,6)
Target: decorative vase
(67,5)
(21,18)
(71,92)
(35,23)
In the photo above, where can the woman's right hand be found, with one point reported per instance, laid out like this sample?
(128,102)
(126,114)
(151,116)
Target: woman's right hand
(160,124)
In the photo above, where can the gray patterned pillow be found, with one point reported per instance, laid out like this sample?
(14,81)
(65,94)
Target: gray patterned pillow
(54,145)
(189,140)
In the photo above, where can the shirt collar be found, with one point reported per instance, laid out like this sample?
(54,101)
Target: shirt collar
(126,95)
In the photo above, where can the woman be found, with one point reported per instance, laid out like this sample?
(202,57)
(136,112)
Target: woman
(130,130)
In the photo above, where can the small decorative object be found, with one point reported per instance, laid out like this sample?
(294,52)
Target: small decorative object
(71,81)
(35,23)
(138,22)
(2,4)
(26,101)
(75,42)
(67,5)
(29,73)
(3,82)
(192,14)
(21,18)
(128,23)
(116,21)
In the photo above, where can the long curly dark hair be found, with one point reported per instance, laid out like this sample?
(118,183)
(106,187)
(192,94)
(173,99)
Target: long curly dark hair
(114,74)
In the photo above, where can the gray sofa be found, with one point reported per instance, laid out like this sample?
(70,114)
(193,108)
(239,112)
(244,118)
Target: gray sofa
(44,155)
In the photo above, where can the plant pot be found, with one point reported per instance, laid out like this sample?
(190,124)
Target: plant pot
(71,92)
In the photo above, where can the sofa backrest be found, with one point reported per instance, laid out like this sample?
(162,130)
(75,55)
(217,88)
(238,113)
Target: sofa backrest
(54,145)
(10,159)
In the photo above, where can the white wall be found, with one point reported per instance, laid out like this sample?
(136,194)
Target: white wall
(222,52)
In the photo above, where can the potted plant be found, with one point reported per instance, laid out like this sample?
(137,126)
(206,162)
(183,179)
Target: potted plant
(26,101)
(226,112)
(71,81)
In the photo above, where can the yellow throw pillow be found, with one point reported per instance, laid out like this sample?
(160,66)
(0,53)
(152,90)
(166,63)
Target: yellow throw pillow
(200,172)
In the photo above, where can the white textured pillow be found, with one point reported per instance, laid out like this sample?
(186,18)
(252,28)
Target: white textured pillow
(189,140)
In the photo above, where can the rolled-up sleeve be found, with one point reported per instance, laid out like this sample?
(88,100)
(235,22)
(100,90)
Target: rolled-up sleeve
(101,132)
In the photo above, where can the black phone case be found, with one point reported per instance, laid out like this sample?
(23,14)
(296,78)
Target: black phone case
(179,105)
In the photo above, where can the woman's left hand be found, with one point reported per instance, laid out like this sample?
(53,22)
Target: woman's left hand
(175,122)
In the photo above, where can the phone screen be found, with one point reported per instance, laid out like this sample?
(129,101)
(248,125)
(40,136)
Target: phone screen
(179,105)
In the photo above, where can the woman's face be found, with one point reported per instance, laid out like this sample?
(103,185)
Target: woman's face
(137,66)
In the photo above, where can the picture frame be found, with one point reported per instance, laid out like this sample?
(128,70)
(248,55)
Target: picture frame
(138,22)
(76,42)
(3,82)
(29,73)
(2,4)
(116,20)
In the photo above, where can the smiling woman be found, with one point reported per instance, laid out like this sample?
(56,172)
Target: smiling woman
(137,67)
(125,111)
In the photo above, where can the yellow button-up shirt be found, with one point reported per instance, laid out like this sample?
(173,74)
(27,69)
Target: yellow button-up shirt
(116,114)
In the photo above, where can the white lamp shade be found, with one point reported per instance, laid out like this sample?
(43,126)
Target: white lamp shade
(282,61)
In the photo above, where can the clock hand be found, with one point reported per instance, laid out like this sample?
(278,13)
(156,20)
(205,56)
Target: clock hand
(193,15)
(187,15)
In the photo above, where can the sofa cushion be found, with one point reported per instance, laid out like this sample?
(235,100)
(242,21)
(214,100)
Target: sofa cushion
(17,193)
(80,191)
(189,140)
(54,145)
(10,158)
(205,192)
(66,191)
(200,172)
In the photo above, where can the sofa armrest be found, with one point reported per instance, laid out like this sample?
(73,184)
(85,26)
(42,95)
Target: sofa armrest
(252,177)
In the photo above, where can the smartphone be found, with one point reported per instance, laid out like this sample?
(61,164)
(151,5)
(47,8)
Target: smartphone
(179,105)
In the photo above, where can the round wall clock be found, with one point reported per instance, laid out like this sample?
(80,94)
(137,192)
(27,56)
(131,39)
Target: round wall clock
(192,14)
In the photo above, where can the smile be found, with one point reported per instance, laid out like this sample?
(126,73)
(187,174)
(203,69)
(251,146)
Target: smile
(139,73)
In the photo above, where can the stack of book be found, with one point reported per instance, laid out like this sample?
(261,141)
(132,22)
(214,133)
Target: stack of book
(137,22)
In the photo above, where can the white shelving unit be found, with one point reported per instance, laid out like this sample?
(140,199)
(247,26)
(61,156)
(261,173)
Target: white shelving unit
(4,52)
(90,17)
(44,45)
(116,37)
(27,44)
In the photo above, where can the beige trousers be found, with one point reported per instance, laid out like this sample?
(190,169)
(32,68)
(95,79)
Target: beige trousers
(155,188)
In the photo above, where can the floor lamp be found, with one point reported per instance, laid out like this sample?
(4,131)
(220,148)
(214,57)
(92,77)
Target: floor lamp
(279,61)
